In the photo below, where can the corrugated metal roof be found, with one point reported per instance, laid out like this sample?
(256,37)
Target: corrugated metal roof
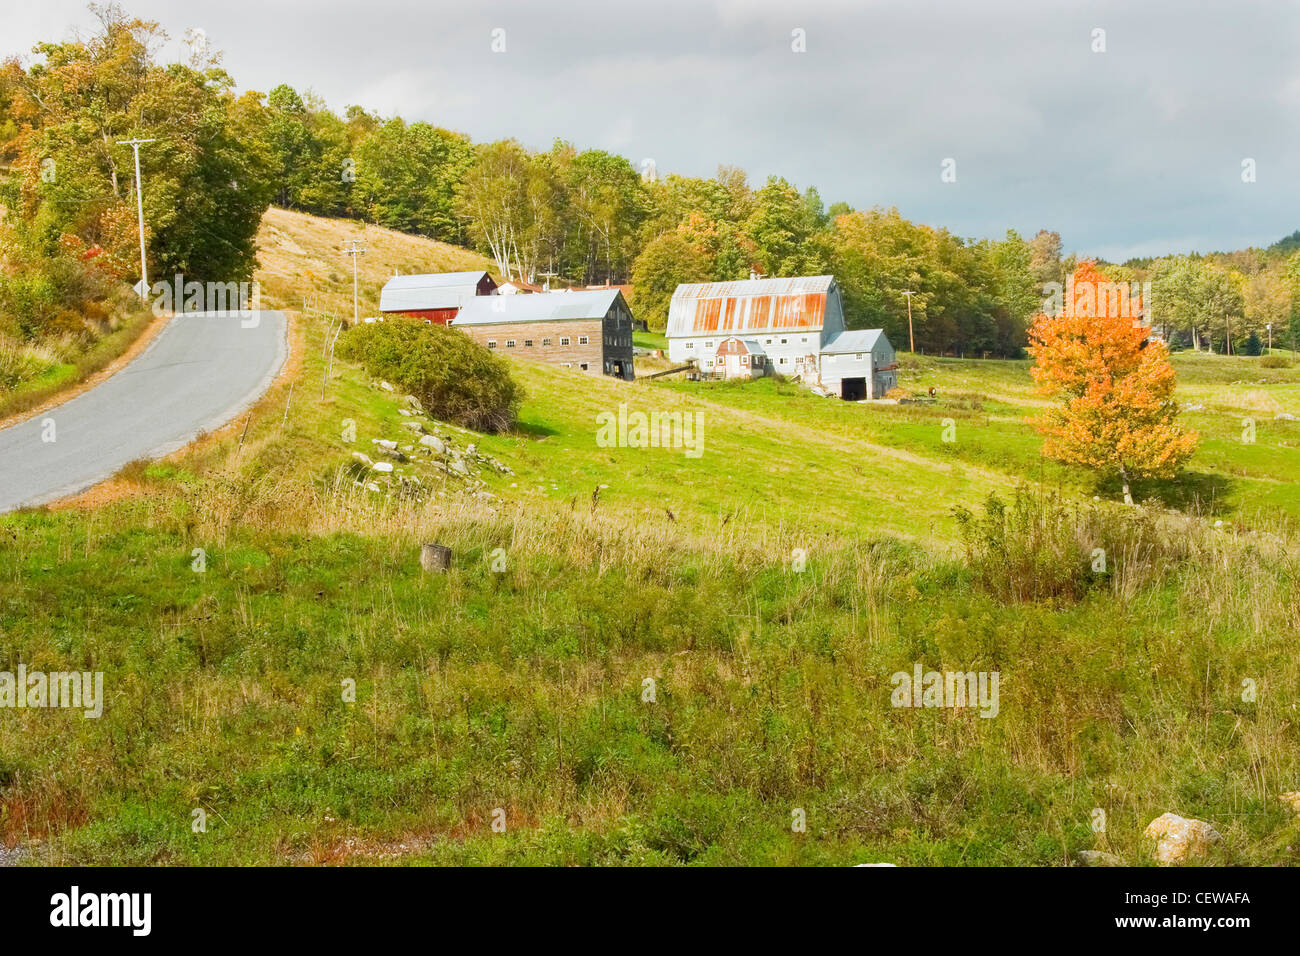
(435,290)
(751,305)
(538,307)
(854,340)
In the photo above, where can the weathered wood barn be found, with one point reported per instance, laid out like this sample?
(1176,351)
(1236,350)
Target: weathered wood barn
(796,323)
(434,297)
(588,330)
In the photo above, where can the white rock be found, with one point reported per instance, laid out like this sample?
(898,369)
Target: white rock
(372,486)
(382,466)
(414,426)
(1180,839)
(1285,416)
(363,458)
(458,465)
(384,443)
(434,442)
(386,387)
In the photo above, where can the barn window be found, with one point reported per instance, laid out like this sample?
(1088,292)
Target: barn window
(492,343)
(783,341)
(528,343)
(783,359)
(582,340)
(744,360)
(804,339)
(858,356)
(709,344)
(546,341)
(769,341)
(690,345)
(510,343)
(583,366)
(564,340)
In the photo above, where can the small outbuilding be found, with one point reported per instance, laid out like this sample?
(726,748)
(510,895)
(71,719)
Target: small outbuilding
(435,297)
(857,364)
(739,358)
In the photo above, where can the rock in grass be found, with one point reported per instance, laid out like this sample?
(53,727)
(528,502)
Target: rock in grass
(1097,858)
(382,466)
(363,458)
(1180,839)
(435,557)
(1291,799)
(434,442)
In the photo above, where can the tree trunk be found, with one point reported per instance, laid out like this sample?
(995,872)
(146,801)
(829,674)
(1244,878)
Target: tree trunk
(1123,478)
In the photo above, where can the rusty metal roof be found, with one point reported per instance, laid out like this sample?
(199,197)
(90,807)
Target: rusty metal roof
(749,306)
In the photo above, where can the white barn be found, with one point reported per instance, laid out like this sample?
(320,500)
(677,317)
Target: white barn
(797,323)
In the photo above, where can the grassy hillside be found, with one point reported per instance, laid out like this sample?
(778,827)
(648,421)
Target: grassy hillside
(300,257)
(524,690)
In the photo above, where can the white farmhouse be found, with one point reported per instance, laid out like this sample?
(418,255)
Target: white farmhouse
(797,324)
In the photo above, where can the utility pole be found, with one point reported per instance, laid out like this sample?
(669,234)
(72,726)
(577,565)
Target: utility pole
(354,248)
(911,340)
(135,145)
(1270,337)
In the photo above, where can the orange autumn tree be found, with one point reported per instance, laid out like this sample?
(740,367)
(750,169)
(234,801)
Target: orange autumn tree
(1114,387)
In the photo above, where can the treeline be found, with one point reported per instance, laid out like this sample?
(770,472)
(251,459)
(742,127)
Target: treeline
(1225,302)
(590,217)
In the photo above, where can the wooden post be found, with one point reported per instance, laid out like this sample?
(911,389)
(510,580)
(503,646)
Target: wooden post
(285,421)
(435,557)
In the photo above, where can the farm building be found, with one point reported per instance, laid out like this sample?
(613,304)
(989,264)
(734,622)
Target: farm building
(434,297)
(738,358)
(591,331)
(797,325)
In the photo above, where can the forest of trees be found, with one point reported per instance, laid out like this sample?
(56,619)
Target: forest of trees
(576,216)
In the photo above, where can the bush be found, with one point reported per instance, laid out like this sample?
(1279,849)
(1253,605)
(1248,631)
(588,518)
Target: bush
(1037,548)
(455,378)
(1275,361)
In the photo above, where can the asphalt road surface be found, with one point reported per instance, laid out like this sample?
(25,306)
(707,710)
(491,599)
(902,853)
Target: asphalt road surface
(198,373)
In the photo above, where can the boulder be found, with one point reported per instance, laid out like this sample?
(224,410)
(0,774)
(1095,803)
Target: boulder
(1097,858)
(1291,799)
(384,443)
(1180,839)
(382,466)
(386,387)
(434,442)
(363,458)
(414,426)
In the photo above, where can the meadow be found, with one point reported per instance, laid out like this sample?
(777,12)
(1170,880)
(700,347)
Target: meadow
(638,657)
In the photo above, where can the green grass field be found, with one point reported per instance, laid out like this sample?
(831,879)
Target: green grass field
(768,589)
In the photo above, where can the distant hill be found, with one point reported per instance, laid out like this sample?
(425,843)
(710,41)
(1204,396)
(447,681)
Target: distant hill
(1287,245)
(296,251)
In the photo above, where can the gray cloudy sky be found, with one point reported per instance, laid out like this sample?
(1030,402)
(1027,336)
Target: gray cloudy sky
(1134,151)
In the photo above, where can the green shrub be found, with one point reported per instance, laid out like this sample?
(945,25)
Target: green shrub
(1275,361)
(1036,548)
(455,378)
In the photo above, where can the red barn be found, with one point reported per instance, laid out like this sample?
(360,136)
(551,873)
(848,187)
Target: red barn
(435,297)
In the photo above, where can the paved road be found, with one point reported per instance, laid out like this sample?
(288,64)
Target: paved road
(200,371)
